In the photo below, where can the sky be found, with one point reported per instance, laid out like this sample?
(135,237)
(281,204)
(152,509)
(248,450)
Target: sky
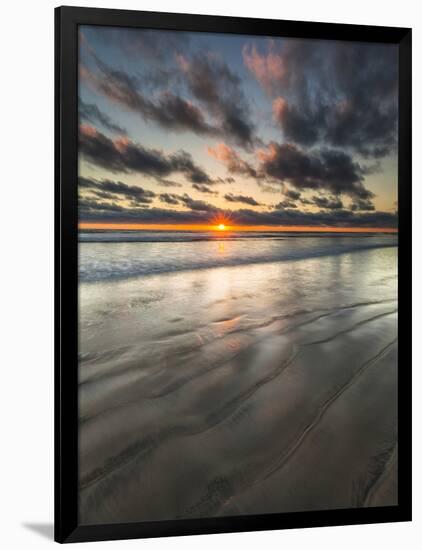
(183,129)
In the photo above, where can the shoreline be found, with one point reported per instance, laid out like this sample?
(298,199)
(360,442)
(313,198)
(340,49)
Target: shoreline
(238,262)
(238,391)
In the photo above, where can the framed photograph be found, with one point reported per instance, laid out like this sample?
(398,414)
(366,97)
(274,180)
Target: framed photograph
(233,274)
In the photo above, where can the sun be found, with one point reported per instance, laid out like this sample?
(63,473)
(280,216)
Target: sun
(221,223)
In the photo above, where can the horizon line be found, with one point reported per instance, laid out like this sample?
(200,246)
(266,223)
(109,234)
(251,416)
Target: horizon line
(240,228)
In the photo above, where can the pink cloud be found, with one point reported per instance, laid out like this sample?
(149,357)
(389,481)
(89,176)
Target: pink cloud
(122,143)
(279,108)
(182,62)
(232,161)
(268,69)
(270,154)
(87,130)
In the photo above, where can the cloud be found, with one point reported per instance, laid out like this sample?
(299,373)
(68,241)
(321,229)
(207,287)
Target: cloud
(241,198)
(169,198)
(198,205)
(204,189)
(292,194)
(187,201)
(168,111)
(298,125)
(217,88)
(88,112)
(173,112)
(268,188)
(333,218)
(341,94)
(167,183)
(286,203)
(182,162)
(100,194)
(362,204)
(90,205)
(108,189)
(124,155)
(329,203)
(208,80)
(325,170)
(330,170)
(204,214)
(268,68)
(232,161)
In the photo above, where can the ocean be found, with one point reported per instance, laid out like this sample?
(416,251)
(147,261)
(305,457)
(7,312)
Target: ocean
(234,374)
(120,254)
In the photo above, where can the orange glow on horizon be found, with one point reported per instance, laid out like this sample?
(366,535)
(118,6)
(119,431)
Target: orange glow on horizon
(226,228)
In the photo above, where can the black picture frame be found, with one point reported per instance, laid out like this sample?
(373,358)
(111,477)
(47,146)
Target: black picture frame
(67,20)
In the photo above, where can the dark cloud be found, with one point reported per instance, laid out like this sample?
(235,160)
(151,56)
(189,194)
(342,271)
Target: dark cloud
(204,189)
(286,203)
(299,125)
(326,169)
(241,198)
(173,112)
(108,189)
(101,194)
(216,87)
(223,181)
(188,202)
(328,218)
(167,183)
(89,112)
(374,168)
(292,194)
(203,213)
(123,155)
(198,205)
(169,198)
(268,188)
(330,170)
(305,202)
(210,82)
(361,204)
(342,94)
(168,110)
(90,205)
(330,203)
(182,162)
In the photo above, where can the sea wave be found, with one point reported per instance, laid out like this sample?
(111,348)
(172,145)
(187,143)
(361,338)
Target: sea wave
(211,236)
(101,261)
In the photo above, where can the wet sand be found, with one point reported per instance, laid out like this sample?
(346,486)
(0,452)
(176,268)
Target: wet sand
(240,390)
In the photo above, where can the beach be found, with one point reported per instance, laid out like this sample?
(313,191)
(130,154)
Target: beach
(234,375)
